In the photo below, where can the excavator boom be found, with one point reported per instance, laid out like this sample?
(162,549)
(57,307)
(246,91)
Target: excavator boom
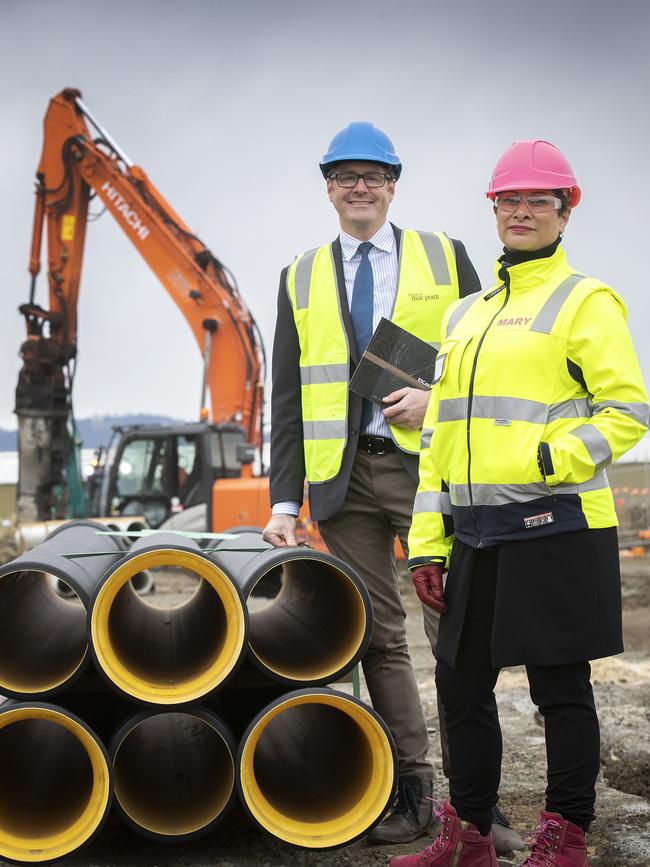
(73,164)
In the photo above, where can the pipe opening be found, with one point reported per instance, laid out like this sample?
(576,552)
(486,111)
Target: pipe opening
(62,589)
(171,647)
(42,634)
(315,624)
(317,771)
(325,783)
(144,584)
(54,785)
(174,774)
(164,644)
(173,586)
(127,525)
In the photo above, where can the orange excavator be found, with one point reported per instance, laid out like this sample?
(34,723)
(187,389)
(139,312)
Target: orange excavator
(198,475)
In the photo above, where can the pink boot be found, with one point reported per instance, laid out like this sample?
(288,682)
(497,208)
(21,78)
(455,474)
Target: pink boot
(557,843)
(458,844)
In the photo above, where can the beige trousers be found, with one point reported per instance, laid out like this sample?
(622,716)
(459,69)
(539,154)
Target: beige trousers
(378,506)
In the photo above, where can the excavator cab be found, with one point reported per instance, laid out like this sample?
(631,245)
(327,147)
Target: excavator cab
(167,473)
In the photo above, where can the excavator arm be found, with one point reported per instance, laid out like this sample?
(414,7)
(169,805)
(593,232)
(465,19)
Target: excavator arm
(73,164)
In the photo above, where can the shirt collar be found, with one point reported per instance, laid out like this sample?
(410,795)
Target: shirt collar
(383,239)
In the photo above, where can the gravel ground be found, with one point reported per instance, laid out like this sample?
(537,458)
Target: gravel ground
(619,837)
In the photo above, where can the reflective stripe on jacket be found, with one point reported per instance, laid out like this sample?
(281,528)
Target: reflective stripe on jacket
(427,285)
(544,358)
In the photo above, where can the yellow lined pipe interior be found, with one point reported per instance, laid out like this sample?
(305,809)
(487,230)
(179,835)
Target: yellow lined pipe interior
(168,655)
(317,769)
(55,783)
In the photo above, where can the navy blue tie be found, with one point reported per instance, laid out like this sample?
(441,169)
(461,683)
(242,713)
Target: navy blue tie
(361,312)
(362,293)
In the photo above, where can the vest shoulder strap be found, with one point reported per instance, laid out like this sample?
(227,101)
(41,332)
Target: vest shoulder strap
(438,248)
(299,278)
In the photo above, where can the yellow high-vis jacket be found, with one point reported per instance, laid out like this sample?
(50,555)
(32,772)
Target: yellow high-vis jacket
(427,285)
(538,389)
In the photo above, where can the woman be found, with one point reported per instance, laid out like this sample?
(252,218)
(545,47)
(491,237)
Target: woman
(538,389)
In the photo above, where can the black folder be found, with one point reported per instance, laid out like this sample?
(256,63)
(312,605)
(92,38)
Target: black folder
(394,358)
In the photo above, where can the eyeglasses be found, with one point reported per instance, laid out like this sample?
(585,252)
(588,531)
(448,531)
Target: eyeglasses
(347,180)
(536,204)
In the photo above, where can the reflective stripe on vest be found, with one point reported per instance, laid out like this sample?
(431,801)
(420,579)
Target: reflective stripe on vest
(432,501)
(427,284)
(512,409)
(500,495)
(545,319)
(640,412)
(459,311)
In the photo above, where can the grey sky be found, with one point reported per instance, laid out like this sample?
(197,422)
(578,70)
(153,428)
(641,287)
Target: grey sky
(228,106)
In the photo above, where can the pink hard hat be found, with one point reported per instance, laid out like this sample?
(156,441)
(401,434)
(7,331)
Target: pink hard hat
(534,165)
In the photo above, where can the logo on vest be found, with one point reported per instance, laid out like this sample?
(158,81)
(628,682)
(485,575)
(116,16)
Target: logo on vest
(538,520)
(520,320)
(423,296)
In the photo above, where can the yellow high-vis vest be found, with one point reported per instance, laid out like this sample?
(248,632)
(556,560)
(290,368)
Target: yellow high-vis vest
(427,285)
(542,364)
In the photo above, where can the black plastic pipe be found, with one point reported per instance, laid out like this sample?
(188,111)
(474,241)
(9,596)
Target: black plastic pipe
(55,782)
(29,534)
(316,768)
(319,622)
(174,773)
(43,644)
(175,654)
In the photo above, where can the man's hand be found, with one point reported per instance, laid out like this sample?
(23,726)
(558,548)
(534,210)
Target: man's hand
(281,531)
(427,581)
(408,407)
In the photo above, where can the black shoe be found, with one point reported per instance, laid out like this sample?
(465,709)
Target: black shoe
(412,815)
(506,839)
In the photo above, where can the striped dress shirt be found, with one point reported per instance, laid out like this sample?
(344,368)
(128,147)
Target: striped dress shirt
(383,260)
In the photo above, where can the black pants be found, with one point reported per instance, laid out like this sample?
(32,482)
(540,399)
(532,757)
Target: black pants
(565,699)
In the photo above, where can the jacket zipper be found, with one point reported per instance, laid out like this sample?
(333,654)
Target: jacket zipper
(470,395)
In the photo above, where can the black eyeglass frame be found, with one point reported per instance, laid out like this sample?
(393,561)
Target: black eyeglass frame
(335,176)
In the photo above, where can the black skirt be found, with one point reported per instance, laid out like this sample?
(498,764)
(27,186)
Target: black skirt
(557,600)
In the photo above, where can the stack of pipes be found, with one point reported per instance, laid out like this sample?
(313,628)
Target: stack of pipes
(173,712)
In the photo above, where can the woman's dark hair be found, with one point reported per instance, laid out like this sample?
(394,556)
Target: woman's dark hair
(564,195)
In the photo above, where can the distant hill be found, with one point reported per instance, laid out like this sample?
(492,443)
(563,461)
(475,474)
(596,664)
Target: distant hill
(93,432)
(8,440)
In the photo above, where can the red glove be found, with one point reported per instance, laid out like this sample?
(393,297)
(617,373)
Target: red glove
(427,581)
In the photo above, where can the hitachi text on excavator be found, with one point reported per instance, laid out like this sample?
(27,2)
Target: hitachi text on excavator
(202,470)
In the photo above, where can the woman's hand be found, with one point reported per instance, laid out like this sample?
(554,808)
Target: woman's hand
(427,581)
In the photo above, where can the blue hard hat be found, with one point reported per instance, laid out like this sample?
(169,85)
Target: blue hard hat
(361,141)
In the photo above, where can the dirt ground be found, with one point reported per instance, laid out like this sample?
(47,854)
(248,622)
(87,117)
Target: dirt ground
(620,836)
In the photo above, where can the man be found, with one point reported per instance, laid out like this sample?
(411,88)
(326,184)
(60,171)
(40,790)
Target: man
(361,461)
